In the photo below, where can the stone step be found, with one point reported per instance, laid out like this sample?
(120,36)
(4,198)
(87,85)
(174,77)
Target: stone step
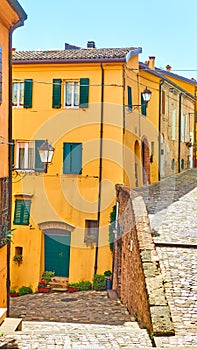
(11,325)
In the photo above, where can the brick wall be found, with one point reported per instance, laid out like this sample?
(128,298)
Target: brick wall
(137,276)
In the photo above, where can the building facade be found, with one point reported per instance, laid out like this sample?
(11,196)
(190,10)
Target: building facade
(11,16)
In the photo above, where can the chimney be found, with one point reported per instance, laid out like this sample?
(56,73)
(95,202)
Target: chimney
(13,51)
(151,62)
(168,68)
(91,45)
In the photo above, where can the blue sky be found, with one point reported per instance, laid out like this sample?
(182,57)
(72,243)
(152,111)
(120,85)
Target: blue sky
(164,29)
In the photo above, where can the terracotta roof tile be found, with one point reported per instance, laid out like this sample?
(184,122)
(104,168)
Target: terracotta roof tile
(73,55)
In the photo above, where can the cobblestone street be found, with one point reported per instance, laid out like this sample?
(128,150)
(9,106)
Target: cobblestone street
(86,320)
(91,320)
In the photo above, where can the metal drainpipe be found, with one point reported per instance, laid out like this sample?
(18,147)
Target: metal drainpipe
(159,127)
(179,135)
(100,169)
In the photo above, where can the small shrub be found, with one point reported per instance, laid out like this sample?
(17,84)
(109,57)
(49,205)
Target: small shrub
(99,282)
(107,273)
(84,285)
(74,285)
(12,291)
(18,258)
(25,290)
(47,275)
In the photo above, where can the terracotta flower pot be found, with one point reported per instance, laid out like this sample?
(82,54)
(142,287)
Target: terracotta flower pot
(44,289)
(13,295)
(72,289)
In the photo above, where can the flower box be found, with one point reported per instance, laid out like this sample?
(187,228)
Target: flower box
(14,295)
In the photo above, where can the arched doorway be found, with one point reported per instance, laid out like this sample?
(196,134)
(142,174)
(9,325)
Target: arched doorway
(137,159)
(145,161)
(57,237)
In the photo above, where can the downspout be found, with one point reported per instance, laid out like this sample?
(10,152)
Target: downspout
(179,135)
(159,128)
(100,169)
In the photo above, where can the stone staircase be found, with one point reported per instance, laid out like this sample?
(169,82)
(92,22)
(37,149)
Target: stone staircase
(58,284)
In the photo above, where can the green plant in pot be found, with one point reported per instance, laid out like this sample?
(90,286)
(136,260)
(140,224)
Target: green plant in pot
(99,282)
(18,258)
(24,290)
(73,287)
(47,275)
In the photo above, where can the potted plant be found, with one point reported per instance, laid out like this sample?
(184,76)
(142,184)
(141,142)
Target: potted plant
(99,282)
(47,275)
(90,241)
(43,287)
(108,279)
(84,285)
(18,258)
(73,287)
(24,290)
(13,293)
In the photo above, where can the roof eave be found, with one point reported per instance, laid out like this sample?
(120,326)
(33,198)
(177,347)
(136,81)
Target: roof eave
(132,53)
(69,61)
(19,10)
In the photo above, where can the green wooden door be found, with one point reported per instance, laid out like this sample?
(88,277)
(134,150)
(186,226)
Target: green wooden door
(57,252)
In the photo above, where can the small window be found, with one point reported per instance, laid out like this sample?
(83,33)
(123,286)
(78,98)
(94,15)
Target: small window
(91,230)
(72,158)
(129,90)
(172,164)
(27,156)
(71,94)
(22,212)
(22,94)
(163,102)
(17,94)
(76,93)
(182,164)
(18,250)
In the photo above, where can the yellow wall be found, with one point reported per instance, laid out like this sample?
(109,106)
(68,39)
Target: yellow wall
(71,199)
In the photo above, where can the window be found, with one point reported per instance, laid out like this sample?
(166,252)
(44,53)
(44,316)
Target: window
(27,156)
(72,158)
(76,93)
(17,94)
(129,90)
(22,212)
(174,124)
(163,102)
(183,128)
(71,94)
(0,74)
(22,94)
(91,230)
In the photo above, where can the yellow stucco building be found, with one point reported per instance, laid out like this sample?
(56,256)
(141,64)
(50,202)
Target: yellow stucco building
(11,16)
(89,105)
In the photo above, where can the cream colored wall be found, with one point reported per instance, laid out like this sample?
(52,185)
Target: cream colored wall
(138,126)
(62,197)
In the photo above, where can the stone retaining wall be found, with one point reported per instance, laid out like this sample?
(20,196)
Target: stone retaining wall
(137,275)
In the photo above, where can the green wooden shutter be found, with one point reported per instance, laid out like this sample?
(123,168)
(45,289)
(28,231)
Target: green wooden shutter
(72,158)
(39,166)
(13,147)
(76,158)
(28,84)
(129,97)
(143,106)
(22,212)
(66,158)
(84,92)
(57,87)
